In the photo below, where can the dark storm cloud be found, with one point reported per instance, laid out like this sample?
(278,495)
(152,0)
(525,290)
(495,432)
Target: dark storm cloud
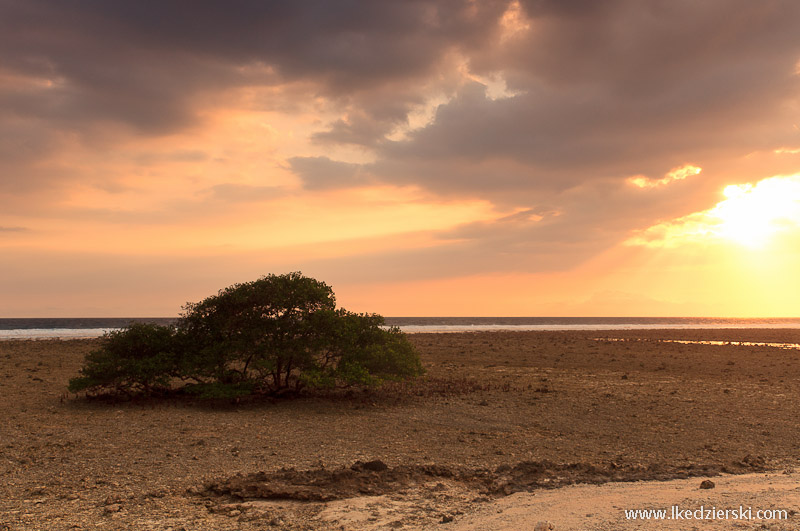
(92,72)
(584,130)
(604,90)
(647,48)
(611,89)
(140,63)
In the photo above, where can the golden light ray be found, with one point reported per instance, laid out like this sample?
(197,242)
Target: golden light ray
(676,174)
(750,215)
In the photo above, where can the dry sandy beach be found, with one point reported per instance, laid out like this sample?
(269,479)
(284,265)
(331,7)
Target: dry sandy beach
(507,429)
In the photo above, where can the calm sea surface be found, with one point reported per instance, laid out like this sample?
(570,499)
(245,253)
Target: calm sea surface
(87,327)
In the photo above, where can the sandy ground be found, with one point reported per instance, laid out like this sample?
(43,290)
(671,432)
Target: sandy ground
(602,507)
(506,430)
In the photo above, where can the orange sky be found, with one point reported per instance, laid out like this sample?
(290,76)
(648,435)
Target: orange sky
(468,158)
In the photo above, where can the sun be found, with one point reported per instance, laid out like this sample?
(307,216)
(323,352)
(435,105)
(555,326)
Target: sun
(750,215)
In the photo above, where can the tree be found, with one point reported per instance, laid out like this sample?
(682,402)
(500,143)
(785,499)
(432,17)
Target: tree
(142,357)
(276,333)
(262,330)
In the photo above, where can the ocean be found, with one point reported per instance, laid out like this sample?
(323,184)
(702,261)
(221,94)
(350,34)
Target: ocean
(70,328)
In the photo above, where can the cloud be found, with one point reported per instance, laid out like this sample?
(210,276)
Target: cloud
(97,74)
(605,92)
(142,65)
(676,174)
(598,94)
(593,93)
(749,215)
(322,172)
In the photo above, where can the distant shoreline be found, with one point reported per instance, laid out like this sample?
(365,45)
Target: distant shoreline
(82,328)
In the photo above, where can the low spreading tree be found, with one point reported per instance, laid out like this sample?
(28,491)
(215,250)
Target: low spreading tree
(277,333)
(140,358)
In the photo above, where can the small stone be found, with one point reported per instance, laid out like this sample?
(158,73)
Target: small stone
(446,519)
(114,499)
(544,526)
(707,484)
(376,466)
(113,508)
(235,512)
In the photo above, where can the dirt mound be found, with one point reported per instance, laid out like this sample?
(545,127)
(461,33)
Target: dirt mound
(371,478)
(375,478)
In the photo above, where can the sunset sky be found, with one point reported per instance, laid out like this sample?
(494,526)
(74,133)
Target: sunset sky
(525,158)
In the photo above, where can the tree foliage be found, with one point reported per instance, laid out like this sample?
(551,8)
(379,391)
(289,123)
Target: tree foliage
(141,357)
(270,335)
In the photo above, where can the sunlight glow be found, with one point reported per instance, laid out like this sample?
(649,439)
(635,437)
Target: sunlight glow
(514,22)
(749,216)
(676,174)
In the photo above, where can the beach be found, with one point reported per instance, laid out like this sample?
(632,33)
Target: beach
(499,420)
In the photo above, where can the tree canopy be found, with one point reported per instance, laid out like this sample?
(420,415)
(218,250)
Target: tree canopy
(270,335)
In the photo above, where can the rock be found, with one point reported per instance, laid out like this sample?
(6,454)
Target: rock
(113,508)
(756,461)
(707,484)
(544,526)
(114,499)
(446,519)
(376,466)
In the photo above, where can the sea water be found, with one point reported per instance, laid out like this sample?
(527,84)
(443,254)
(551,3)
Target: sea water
(69,328)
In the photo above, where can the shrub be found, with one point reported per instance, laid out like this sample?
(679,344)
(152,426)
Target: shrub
(141,357)
(358,349)
(276,333)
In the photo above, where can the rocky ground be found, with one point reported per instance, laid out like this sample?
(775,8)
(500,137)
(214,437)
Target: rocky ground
(497,414)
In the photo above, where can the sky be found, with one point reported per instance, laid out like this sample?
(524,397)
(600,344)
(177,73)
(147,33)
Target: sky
(514,158)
